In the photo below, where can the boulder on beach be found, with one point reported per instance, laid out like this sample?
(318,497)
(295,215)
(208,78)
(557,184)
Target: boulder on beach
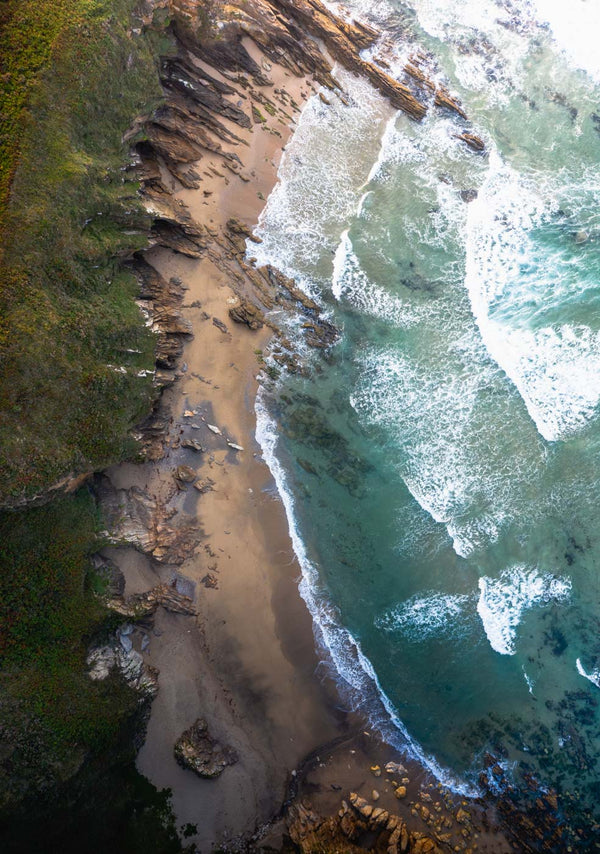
(198,752)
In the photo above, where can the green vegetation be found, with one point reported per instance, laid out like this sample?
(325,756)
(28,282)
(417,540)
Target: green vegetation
(74,77)
(48,614)
(67,775)
(72,341)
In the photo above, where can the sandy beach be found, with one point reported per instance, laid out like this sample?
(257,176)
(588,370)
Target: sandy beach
(247,663)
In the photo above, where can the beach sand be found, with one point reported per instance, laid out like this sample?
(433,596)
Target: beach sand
(247,663)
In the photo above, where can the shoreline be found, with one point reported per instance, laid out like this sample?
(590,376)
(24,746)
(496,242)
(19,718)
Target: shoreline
(247,664)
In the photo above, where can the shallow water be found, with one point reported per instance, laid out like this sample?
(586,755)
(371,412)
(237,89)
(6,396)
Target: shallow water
(441,469)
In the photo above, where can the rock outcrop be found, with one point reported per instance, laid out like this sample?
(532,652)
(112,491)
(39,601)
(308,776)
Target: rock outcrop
(141,605)
(246,312)
(129,663)
(198,752)
(355,822)
(136,518)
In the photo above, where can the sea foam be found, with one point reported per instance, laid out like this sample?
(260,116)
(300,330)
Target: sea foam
(512,285)
(593,677)
(350,283)
(426,615)
(575,26)
(357,679)
(504,600)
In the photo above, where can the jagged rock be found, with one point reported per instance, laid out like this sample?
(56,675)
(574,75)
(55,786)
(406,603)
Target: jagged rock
(153,433)
(320,333)
(473,141)
(350,825)
(361,805)
(198,752)
(169,598)
(468,195)
(379,818)
(246,312)
(462,816)
(344,40)
(404,843)
(141,605)
(204,485)
(444,99)
(135,517)
(185,474)
(280,281)
(220,325)
(100,661)
(169,350)
(193,445)
(310,832)
(395,768)
(394,841)
(237,233)
(424,845)
(162,300)
(173,235)
(400,792)
(202,89)
(141,677)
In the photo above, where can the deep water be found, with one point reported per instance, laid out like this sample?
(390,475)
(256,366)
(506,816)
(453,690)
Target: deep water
(441,468)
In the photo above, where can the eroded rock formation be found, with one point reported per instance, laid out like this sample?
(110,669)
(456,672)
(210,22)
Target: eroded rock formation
(200,753)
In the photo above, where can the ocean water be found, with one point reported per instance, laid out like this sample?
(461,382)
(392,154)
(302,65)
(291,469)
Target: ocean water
(441,466)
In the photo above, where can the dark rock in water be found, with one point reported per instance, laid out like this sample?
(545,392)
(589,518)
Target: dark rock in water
(198,752)
(246,312)
(468,195)
(308,467)
(204,485)
(284,283)
(472,140)
(417,282)
(185,474)
(309,425)
(557,640)
(193,445)
(320,333)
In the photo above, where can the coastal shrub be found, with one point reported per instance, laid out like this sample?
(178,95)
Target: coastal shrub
(74,350)
(67,774)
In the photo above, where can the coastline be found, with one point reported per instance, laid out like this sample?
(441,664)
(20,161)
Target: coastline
(246,664)
(194,643)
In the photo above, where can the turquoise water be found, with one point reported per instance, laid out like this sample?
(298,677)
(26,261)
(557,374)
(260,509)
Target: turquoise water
(441,467)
